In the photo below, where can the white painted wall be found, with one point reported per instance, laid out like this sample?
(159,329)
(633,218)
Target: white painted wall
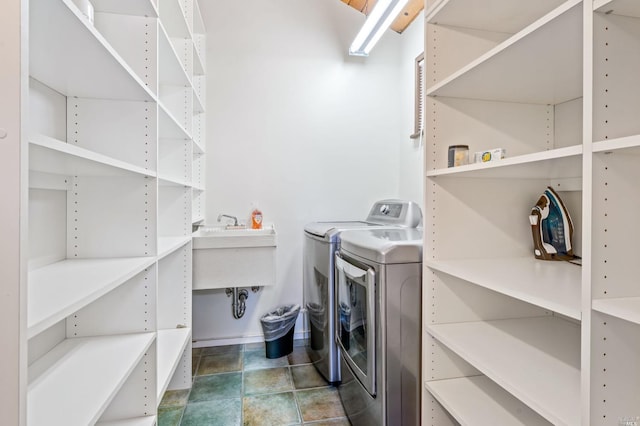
(411,155)
(300,128)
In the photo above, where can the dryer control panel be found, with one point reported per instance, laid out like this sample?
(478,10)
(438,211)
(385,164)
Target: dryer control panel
(396,212)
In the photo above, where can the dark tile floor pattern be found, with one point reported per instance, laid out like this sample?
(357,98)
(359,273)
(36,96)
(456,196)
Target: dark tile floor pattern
(237,385)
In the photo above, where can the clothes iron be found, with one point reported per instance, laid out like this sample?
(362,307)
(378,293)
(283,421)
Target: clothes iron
(552,228)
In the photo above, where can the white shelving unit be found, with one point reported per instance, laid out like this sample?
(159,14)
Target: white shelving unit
(199,117)
(626,308)
(139,421)
(555,35)
(499,349)
(614,331)
(561,163)
(171,345)
(93,387)
(69,55)
(555,287)
(476,400)
(60,289)
(509,339)
(108,126)
(167,245)
(48,155)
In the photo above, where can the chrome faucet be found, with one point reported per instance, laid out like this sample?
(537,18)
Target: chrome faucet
(235,219)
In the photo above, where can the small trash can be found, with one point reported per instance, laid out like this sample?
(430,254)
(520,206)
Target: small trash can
(278,327)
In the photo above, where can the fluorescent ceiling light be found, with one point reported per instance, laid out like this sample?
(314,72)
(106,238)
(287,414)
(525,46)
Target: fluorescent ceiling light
(384,12)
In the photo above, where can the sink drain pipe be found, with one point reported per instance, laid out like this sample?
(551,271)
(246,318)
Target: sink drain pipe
(238,300)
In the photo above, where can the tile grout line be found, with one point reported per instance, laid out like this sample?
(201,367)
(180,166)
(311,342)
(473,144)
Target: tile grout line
(290,364)
(294,392)
(242,357)
(193,380)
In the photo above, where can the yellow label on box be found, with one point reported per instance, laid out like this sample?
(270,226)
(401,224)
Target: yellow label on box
(490,155)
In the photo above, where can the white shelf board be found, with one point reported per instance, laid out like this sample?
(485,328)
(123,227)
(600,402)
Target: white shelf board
(198,22)
(173,19)
(198,148)
(502,16)
(198,188)
(69,55)
(618,7)
(626,308)
(198,106)
(171,71)
(555,163)
(170,181)
(48,181)
(549,284)
(198,64)
(196,219)
(75,382)
(477,401)
(167,245)
(57,290)
(511,73)
(53,156)
(537,360)
(171,344)
(169,128)
(126,7)
(136,421)
(630,143)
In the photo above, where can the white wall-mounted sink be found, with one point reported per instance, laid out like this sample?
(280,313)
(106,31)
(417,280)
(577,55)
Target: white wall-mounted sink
(226,257)
(225,237)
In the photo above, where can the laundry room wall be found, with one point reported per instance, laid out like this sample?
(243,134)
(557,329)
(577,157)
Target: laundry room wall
(411,154)
(299,128)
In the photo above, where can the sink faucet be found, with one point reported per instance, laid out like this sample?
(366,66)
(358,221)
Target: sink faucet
(235,219)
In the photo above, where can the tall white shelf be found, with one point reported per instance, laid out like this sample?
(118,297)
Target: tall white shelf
(199,117)
(111,113)
(508,339)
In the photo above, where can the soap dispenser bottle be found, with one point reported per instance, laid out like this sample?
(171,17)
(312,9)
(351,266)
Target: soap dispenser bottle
(256,218)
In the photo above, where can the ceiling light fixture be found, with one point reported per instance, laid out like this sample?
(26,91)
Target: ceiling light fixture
(383,13)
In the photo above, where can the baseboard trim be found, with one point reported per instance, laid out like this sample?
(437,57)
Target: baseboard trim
(224,341)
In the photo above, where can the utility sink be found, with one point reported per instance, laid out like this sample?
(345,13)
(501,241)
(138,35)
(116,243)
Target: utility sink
(233,237)
(229,256)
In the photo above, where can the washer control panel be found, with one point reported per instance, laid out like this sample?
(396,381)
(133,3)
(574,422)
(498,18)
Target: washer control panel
(392,210)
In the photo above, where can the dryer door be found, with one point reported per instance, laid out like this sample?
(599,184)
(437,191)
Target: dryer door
(355,333)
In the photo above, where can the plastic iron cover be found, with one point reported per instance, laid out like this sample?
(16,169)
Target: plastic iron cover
(551,228)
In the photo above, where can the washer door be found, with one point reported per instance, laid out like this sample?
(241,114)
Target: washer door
(356,319)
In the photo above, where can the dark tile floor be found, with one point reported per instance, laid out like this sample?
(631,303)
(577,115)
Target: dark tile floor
(238,385)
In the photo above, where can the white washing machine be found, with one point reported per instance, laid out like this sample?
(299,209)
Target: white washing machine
(379,298)
(321,242)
